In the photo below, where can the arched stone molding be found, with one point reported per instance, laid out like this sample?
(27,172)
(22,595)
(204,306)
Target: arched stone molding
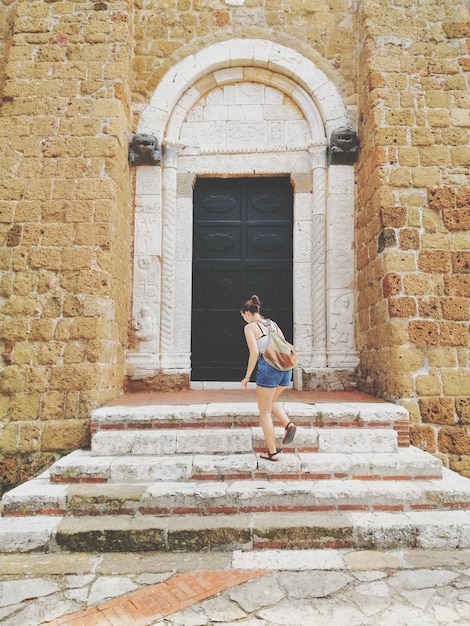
(323,207)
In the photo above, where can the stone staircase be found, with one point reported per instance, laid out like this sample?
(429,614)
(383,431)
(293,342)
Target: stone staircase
(189,477)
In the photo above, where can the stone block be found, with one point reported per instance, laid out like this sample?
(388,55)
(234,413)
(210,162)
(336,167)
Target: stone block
(438,118)
(138,443)
(434,261)
(462,408)
(457,285)
(423,437)
(402,307)
(94,235)
(426,176)
(64,435)
(393,216)
(53,405)
(15,329)
(437,410)
(171,468)
(29,440)
(46,258)
(460,464)
(25,407)
(113,536)
(392,284)
(455,382)
(345,440)
(453,333)
(442,357)
(42,329)
(441,198)
(216,442)
(27,534)
(408,156)
(460,117)
(10,439)
(417,284)
(460,155)
(400,177)
(399,261)
(23,353)
(428,384)
(400,383)
(454,440)
(423,332)
(422,137)
(435,155)
(9,472)
(407,358)
(437,99)
(391,137)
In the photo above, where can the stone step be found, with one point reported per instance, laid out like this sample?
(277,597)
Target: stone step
(41,497)
(439,530)
(168,441)
(364,415)
(405,464)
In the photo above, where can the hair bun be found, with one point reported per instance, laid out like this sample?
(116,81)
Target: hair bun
(256,300)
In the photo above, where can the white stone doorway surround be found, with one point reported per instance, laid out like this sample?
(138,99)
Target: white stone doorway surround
(208,115)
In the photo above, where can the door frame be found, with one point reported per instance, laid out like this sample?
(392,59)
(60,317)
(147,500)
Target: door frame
(243,222)
(323,220)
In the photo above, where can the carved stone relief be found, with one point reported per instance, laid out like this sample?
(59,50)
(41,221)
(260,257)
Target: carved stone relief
(145,325)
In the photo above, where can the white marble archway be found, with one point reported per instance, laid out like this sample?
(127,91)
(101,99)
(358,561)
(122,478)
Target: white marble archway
(323,201)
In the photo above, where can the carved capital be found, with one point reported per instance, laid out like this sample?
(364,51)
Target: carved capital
(171,150)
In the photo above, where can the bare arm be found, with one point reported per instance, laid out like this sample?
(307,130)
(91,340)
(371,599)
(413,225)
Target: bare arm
(254,352)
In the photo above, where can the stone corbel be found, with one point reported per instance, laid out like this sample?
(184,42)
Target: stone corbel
(343,148)
(144,150)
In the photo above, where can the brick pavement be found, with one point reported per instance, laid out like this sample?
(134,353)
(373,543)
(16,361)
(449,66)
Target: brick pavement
(146,606)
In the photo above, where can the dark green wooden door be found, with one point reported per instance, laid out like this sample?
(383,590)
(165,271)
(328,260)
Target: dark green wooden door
(242,245)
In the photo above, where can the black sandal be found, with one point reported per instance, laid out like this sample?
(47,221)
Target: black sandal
(289,433)
(268,456)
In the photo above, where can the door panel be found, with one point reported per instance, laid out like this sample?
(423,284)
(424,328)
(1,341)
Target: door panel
(242,244)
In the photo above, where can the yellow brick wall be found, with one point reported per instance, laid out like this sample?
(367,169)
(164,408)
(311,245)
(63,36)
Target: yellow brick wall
(70,72)
(412,225)
(65,225)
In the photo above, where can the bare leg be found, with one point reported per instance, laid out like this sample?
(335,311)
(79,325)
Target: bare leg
(277,409)
(264,396)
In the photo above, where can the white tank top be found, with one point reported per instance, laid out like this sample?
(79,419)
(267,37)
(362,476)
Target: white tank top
(264,339)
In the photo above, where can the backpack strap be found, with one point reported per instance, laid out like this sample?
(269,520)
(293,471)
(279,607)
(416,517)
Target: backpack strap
(269,327)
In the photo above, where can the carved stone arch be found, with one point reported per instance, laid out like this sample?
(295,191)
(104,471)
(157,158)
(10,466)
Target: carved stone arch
(221,58)
(323,209)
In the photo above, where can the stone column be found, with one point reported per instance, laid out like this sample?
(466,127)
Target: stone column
(143,359)
(340,268)
(318,260)
(171,360)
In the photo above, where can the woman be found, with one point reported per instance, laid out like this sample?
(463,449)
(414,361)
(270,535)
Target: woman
(270,382)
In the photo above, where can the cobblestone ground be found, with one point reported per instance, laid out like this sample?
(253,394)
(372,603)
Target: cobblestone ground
(422,587)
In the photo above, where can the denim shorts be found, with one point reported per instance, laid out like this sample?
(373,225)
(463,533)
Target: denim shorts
(268,376)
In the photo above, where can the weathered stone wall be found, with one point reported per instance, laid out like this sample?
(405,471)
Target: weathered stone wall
(75,74)
(7,16)
(167,31)
(65,226)
(412,228)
